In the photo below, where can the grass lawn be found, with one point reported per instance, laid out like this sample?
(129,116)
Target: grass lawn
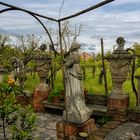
(90,83)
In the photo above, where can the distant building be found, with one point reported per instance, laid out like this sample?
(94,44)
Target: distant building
(86,56)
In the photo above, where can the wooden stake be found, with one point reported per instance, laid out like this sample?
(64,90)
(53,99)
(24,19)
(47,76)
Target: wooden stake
(104,70)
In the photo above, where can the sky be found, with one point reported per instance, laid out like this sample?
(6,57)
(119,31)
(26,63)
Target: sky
(118,18)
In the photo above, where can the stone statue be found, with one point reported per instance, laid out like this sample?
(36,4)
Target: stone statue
(76,112)
(18,70)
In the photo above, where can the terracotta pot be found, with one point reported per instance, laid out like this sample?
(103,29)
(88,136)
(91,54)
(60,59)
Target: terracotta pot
(56,99)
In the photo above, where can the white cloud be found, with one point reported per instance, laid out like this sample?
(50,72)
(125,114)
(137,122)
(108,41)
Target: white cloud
(104,22)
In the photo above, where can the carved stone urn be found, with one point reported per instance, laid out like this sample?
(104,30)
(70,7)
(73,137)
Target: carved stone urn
(43,62)
(119,62)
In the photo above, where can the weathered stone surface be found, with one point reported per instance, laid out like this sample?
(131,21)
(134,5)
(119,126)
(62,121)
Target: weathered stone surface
(77,111)
(119,63)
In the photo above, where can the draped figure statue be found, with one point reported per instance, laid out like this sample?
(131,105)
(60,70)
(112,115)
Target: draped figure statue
(76,112)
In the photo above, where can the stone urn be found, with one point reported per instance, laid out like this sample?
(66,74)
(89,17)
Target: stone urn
(43,61)
(119,62)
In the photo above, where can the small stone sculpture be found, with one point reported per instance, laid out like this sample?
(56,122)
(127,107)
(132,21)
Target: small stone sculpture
(76,112)
(18,70)
(121,42)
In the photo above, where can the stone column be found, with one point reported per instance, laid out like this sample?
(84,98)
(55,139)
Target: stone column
(119,62)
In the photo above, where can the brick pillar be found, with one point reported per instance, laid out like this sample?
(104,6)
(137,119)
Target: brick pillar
(40,94)
(117,105)
(71,131)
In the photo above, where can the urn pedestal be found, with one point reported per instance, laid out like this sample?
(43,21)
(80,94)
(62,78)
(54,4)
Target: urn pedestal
(40,94)
(118,101)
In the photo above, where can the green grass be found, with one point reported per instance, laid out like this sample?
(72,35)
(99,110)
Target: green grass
(31,82)
(90,83)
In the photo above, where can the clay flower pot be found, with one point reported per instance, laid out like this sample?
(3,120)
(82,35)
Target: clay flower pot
(56,99)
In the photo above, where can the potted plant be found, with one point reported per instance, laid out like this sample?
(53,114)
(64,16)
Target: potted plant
(54,96)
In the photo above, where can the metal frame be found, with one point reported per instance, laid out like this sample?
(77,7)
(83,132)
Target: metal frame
(36,15)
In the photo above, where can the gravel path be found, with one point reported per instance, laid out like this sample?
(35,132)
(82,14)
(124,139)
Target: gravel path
(126,131)
(46,126)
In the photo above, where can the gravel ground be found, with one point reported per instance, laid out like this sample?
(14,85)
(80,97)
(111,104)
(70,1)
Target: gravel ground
(46,126)
(126,131)
(46,129)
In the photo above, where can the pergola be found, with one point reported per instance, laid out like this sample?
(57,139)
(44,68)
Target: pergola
(36,16)
(58,21)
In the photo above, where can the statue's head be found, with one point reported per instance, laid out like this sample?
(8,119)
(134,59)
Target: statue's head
(75,46)
(121,42)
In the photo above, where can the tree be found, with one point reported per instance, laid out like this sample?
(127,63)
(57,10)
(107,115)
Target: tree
(69,36)
(13,115)
(3,42)
(26,45)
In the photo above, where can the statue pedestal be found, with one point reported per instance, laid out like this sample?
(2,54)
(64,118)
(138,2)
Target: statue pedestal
(117,105)
(71,131)
(40,94)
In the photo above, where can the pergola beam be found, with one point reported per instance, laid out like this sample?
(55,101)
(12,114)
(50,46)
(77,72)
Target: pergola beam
(33,13)
(62,19)
(87,10)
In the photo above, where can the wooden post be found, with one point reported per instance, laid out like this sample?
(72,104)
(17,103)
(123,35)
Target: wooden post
(104,70)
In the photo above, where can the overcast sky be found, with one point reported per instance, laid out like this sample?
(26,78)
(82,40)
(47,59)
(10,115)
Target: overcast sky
(119,18)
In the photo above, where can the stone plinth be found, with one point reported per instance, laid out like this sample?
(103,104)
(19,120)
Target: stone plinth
(40,94)
(71,131)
